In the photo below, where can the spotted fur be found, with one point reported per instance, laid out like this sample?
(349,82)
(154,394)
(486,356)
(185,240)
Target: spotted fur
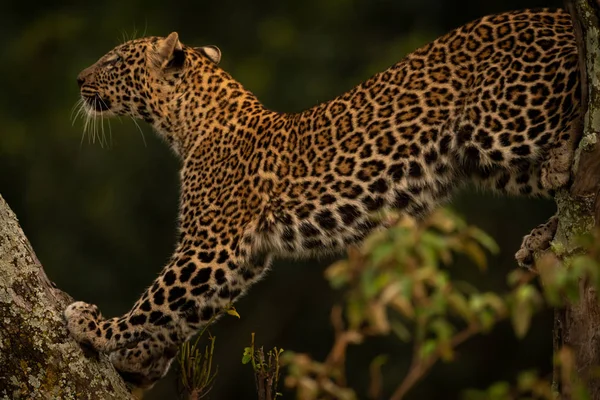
(493,102)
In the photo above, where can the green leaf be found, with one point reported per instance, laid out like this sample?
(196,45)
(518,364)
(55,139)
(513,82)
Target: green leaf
(433,240)
(400,330)
(499,391)
(381,253)
(516,276)
(495,302)
(442,328)
(247,357)
(527,380)
(476,302)
(580,391)
(521,316)
(476,254)
(367,280)
(338,274)
(458,304)
(355,312)
(379,360)
(430,257)
(428,348)
(484,239)
(232,311)
(487,319)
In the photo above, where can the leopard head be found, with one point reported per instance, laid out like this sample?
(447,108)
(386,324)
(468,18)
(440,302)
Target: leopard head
(141,77)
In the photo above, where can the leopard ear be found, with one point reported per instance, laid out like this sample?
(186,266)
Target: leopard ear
(169,52)
(212,52)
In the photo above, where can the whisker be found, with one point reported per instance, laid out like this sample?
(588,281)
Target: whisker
(103,138)
(141,132)
(94,127)
(80,109)
(109,127)
(75,108)
(85,127)
(103,102)
(109,133)
(91,136)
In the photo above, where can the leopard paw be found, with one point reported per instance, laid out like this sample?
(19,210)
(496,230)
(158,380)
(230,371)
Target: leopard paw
(538,240)
(554,179)
(86,326)
(82,321)
(144,364)
(556,170)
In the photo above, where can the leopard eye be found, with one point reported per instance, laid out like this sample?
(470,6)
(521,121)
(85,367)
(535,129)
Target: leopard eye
(114,61)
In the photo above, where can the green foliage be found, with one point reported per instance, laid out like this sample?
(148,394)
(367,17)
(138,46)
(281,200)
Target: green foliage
(396,278)
(529,386)
(266,369)
(395,283)
(315,380)
(398,282)
(196,374)
(561,279)
(196,368)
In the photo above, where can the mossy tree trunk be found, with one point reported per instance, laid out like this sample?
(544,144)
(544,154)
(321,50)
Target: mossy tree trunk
(577,326)
(38,359)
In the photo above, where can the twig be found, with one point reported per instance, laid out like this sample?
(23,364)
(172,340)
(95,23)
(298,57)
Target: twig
(420,366)
(337,355)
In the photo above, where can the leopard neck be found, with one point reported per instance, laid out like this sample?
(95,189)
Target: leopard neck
(220,107)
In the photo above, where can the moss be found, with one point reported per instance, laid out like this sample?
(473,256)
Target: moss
(576,218)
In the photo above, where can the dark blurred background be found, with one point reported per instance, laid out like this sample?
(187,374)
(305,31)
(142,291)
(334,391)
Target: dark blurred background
(102,220)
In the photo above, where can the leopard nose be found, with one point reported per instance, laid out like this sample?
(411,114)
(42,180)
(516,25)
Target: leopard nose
(80,81)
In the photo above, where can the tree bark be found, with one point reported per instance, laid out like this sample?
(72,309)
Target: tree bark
(577,326)
(38,358)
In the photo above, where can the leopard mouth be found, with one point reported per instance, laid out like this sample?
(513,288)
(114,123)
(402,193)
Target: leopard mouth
(96,102)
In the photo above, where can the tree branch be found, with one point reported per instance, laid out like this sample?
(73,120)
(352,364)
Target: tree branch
(578,325)
(38,358)
(420,366)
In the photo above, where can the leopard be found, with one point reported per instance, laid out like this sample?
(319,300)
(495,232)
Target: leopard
(493,103)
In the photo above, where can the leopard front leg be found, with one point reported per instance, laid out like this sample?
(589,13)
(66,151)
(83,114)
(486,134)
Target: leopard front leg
(150,359)
(538,240)
(190,291)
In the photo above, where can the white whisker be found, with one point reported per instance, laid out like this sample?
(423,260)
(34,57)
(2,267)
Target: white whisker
(86,126)
(109,133)
(102,122)
(141,132)
(75,108)
(80,109)
(109,126)
(94,127)
(83,128)
(103,138)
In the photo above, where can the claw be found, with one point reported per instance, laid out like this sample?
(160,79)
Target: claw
(538,240)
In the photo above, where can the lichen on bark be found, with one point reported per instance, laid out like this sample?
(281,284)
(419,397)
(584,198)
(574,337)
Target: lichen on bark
(577,326)
(38,358)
